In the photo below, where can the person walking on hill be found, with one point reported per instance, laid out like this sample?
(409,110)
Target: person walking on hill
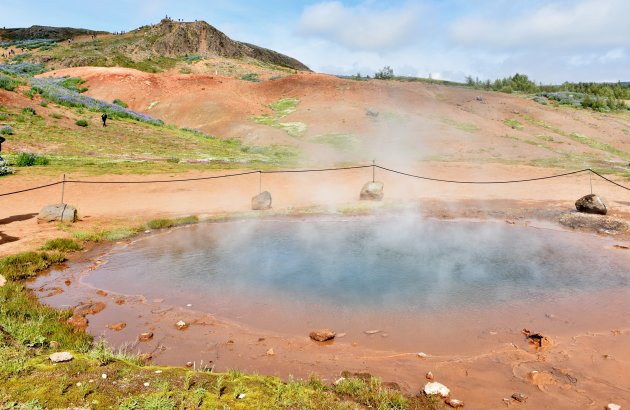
(104,118)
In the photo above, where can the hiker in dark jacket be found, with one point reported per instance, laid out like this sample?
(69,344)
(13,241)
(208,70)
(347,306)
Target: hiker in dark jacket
(104,118)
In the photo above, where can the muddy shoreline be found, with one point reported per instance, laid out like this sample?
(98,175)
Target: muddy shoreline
(583,366)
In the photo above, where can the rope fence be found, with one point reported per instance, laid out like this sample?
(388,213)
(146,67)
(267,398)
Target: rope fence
(373,166)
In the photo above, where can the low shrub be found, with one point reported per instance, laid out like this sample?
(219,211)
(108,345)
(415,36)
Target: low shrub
(27,159)
(29,110)
(6,130)
(62,244)
(253,77)
(44,103)
(27,264)
(8,83)
(120,103)
(81,123)
(4,168)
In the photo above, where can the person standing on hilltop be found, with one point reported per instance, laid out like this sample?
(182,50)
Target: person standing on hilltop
(104,118)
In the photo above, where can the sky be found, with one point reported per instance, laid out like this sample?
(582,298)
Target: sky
(551,41)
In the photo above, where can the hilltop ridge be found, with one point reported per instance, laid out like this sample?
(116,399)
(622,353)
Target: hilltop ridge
(152,48)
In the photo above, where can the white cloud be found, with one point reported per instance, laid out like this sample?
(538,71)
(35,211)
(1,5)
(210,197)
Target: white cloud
(559,24)
(363,27)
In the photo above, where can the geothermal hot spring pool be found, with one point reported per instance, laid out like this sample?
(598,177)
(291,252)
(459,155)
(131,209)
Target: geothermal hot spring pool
(423,283)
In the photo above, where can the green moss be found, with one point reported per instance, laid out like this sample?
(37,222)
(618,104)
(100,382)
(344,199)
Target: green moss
(169,223)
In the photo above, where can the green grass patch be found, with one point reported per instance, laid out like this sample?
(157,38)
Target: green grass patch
(284,106)
(27,159)
(341,142)
(121,103)
(27,264)
(29,111)
(9,83)
(81,123)
(169,223)
(602,146)
(463,126)
(514,124)
(62,245)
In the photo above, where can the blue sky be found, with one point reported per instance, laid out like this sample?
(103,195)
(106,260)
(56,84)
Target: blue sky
(551,41)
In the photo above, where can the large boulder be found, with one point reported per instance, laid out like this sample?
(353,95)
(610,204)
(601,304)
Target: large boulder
(58,212)
(261,201)
(372,191)
(592,204)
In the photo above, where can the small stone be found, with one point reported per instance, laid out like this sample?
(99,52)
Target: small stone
(104,376)
(422,355)
(91,381)
(341,335)
(117,326)
(61,357)
(67,282)
(240,396)
(322,335)
(146,384)
(436,389)
(101,292)
(613,406)
(429,376)
(89,308)
(270,352)
(454,403)
(384,334)
(145,337)
(189,364)
(158,371)
(2,281)
(79,384)
(372,332)
(261,339)
(120,301)
(181,325)
(520,397)
(189,305)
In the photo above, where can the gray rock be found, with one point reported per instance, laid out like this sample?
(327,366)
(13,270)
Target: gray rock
(372,191)
(58,212)
(322,335)
(261,201)
(61,357)
(592,204)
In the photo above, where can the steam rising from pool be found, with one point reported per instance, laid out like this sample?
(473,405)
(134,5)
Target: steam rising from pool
(396,264)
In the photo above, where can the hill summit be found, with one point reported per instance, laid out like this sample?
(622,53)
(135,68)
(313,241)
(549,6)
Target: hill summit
(174,39)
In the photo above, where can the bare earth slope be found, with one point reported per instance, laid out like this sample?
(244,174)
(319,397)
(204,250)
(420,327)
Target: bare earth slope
(356,120)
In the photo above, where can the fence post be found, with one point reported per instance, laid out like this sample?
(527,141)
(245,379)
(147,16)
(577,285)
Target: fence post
(63,187)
